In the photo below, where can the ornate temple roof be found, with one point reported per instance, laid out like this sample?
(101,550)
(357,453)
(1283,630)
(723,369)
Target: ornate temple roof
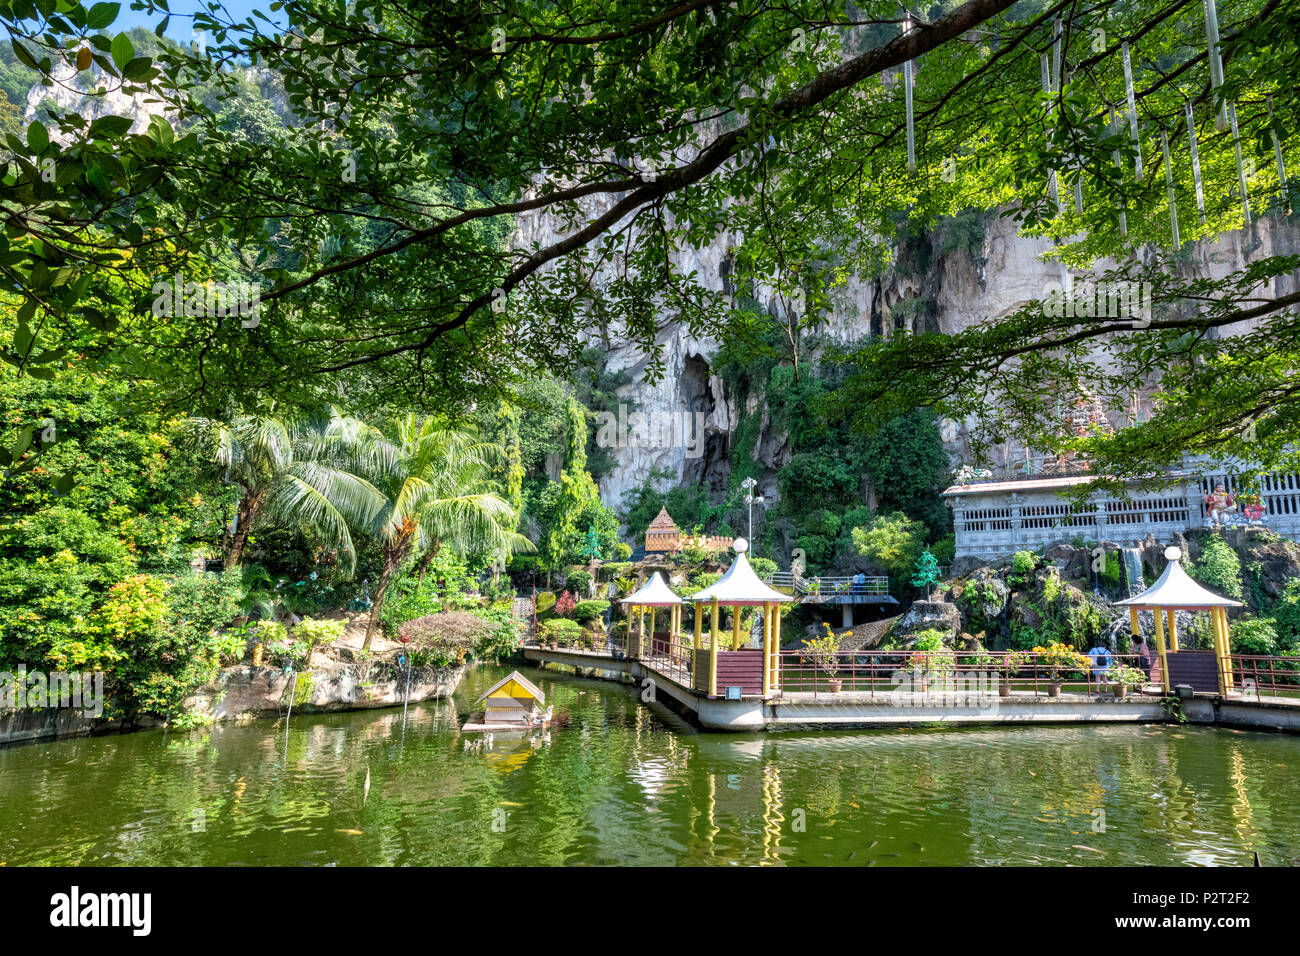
(663,523)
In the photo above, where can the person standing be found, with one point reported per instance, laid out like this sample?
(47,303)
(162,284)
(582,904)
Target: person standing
(1147,660)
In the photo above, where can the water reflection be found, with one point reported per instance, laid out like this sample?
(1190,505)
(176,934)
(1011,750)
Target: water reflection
(622,782)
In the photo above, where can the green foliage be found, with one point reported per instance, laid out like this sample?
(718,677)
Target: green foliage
(1111,572)
(929,640)
(814,480)
(1129,676)
(1286,614)
(908,468)
(545,602)
(269,632)
(1256,635)
(1023,564)
(446,637)
(926,571)
(892,540)
(585,611)
(317,633)
(1219,567)
(560,629)
(571,508)
(199,604)
(579,581)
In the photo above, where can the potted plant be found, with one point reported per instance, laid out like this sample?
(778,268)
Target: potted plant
(1010,664)
(823,654)
(1123,677)
(1060,657)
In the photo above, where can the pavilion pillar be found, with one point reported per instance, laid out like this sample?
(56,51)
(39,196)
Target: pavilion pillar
(1173,630)
(714,637)
(1227,647)
(767,649)
(649,642)
(1222,648)
(1217,632)
(735,628)
(776,647)
(699,626)
(1158,614)
(1134,622)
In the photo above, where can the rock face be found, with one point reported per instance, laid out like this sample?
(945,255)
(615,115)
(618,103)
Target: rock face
(74,91)
(935,284)
(945,288)
(925,616)
(255,691)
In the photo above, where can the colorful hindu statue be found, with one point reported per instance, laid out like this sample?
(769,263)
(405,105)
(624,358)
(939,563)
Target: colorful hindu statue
(1219,506)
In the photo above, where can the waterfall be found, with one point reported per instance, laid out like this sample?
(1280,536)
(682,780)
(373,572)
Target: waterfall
(1131,562)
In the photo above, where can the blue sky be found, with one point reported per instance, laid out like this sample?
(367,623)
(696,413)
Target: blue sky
(180,26)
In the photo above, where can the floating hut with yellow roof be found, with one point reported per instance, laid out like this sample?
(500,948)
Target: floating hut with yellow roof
(512,703)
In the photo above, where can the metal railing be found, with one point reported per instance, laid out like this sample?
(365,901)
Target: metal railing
(826,585)
(887,672)
(1261,676)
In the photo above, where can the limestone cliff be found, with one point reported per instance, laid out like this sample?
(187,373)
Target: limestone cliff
(945,289)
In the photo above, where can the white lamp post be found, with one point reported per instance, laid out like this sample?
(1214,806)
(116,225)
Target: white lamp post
(749,484)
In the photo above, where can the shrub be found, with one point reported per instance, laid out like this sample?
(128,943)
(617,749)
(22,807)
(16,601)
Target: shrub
(314,632)
(1129,676)
(1219,567)
(564,605)
(623,551)
(199,604)
(612,570)
(763,567)
(560,629)
(1256,635)
(268,632)
(823,652)
(545,602)
(585,611)
(407,600)
(446,637)
(1286,614)
(579,582)
(892,540)
(1022,568)
(1063,661)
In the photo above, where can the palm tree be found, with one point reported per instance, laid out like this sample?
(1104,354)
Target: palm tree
(438,492)
(297,470)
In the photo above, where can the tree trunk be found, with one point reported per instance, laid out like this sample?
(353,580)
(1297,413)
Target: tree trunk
(249,509)
(394,554)
(427,560)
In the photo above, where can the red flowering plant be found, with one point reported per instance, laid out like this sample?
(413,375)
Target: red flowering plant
(564,605)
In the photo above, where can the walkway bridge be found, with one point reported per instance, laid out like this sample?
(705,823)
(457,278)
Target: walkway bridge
(901,688)
(847,592)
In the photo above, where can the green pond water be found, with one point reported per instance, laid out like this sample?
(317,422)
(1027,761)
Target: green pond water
(623,783)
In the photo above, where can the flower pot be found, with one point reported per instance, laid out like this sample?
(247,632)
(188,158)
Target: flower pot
(835,685)
(555,645)
(1054,689)
(1004,688)
(1120,691)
